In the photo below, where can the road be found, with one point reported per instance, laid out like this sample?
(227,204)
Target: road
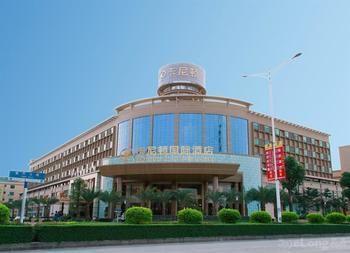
(309,245)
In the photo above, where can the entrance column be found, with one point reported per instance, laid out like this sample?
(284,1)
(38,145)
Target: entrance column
(174,202)
(205,198)
(237,205)
(119,183)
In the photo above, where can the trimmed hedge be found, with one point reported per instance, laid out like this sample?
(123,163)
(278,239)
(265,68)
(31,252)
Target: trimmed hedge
(336,218)
(15,234)
(99,232)
(57,233)
(228,215)
(260,217)
(315,218)
(289,217)
(190,216)
(138,215)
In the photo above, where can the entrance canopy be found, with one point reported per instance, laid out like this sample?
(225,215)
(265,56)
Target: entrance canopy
(170,167)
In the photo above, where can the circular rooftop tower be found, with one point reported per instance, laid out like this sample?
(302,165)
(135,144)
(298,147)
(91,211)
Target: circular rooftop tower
(181,78)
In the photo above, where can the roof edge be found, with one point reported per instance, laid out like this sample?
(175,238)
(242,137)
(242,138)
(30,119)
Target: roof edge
(75,138)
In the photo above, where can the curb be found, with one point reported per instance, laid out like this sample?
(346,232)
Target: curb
(52,245)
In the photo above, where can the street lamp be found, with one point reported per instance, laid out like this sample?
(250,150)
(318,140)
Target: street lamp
(268,76)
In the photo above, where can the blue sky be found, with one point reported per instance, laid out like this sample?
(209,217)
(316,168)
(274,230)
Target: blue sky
(65,65)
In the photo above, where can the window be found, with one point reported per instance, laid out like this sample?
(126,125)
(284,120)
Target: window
(12,186)
(215,132)
(277,132)
(141,133)
(239,136)
(267,129)
(190,129)
(123,136)
(163,129)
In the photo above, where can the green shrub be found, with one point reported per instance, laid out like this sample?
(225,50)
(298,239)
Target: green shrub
(289,217)
(138,215)
(315,218)
(336,218)
(4,214)
(190,216)
(260,217)
(348,218)
(228,215)
(16,234)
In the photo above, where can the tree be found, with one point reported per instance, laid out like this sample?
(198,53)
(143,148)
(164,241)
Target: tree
(217,198)
(89,195)
(77,187)
(37,202)
(340,204)
(295,175)
(263,195)
(185,198)
(308,200)
(13,205)
(325,199)
(232,197)
(4,214)
(147,196)
(111,198)
(284,199)
(345,184)
(164,198)
(47,203)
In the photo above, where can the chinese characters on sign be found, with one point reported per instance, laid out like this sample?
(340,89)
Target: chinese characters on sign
(280,156)
(175,150)
(181,153)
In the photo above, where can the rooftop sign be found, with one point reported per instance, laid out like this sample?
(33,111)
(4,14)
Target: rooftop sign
(181,73)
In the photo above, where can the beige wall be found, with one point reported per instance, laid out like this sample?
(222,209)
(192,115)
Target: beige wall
(10,190)
(344,153)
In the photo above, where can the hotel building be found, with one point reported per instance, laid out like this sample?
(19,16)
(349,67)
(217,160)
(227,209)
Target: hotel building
(181,138)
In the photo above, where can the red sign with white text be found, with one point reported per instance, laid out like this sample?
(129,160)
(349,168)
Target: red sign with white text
(280,156)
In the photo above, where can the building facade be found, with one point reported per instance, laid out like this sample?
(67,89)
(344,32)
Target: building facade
(181,139)
(344,155)
(10,190)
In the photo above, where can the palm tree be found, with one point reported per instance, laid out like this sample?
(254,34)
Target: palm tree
(232,197)
(47,203)
(164,198)
(185,198)
(217,198)
(77,188)
(263,195)
(147,195)
(111,198)
(37,202)
(89,195)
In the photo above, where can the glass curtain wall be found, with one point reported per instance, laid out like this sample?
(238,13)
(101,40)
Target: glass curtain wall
(123,136)
(190,129)
(141,133)
(163,130)
(215,132)
(239,136)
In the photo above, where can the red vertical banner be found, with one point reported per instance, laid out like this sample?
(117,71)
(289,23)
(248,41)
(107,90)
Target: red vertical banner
(280,157)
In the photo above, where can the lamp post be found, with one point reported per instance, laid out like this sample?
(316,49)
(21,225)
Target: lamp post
(268,76)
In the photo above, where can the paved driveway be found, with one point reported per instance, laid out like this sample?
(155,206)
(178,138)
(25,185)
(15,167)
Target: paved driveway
(309,245)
